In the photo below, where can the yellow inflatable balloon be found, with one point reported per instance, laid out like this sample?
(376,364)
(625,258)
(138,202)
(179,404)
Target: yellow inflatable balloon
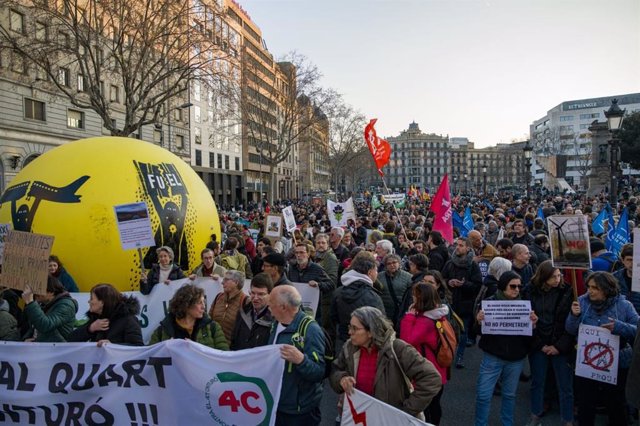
(70,193)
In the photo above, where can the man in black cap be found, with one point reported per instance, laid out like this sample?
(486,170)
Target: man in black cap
(275,264)
(601,259)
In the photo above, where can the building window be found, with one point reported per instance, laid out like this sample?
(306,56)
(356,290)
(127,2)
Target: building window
(34,110)
(157,136)
(64,40)
(212,159)
(566,118)
(198,135)
(41,31)
(219,161)
(17,21)
(237,160)
(81,87)
(196,112)
(198,157)
(113,93)
(177,114)
(75,119)
(179,141)
(226,162)
(63,77)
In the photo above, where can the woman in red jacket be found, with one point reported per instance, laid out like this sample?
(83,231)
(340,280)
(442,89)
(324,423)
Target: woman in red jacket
(418,328)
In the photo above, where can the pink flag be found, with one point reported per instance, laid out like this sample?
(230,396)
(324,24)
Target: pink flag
(441,207)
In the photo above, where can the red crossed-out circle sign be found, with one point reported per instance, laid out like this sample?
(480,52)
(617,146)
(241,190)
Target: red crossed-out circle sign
(598,356)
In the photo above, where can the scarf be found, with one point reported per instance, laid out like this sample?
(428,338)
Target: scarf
(463,261)
(501,296)
(603,305)
(164,272)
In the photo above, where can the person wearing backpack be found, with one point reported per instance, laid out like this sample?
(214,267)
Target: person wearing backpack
(232,259)
(418,327)
(503,358)
(187,320)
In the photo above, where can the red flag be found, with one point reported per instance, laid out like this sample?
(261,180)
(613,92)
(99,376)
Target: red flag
(441,207)
(379,148)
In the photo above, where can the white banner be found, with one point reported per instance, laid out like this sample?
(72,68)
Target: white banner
(393,198)
(598,353)
(509,317)
(155,306)
(289,218)
(635,273)
(176,382)
(339,213)
(362,409)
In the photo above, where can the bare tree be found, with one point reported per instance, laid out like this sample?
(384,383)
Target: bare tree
(581,155)
(151,49)
(346,140)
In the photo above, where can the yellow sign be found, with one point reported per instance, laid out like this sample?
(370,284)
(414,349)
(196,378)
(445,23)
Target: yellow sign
(69,192)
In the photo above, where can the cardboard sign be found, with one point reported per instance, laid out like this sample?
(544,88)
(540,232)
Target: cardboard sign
(569,239)
(26,261)
(510,317)
(4,230)
(598,354)
(134,226)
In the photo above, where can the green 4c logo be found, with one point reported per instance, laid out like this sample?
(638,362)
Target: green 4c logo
(232,398)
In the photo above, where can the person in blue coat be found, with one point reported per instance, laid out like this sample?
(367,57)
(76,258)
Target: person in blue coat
(299,402)
(58,271)
(605,307)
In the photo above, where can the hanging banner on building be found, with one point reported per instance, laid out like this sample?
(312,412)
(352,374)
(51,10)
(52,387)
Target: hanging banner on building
(134,226)
(598,353)
(340,213)
(635,275)
(173,382)
(155,306)
(289,219)
(362,409)
(4,230)
(510,317)
(569,239)
(26,261)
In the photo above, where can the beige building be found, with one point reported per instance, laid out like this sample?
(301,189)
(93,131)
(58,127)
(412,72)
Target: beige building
(313,148)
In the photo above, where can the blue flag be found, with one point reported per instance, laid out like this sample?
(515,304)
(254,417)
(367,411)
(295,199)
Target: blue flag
(541,213)
(621,234)
(598,222)
(459,223)
(468,220)
(611,229)
(489,206)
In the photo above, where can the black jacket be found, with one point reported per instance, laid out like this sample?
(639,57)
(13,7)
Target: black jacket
(506,347)
(464,296)
(124,327)
(353,294)
(438,257)
(249,331)
(313,272)
(154,275)
(552,308)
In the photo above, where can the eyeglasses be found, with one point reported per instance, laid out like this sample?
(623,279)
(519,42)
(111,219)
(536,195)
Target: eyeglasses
(353,328)
(515,286)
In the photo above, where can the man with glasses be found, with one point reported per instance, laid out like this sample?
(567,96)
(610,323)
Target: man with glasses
(303,270)
(208,267)
(253,324)
(395,282)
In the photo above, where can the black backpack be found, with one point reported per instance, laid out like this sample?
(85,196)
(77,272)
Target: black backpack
(329,350)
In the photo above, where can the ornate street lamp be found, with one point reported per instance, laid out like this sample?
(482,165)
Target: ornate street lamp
(614,115)
(465,183)
(528,151)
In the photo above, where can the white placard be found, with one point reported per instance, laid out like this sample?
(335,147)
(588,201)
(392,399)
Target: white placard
(176,382)
(510,317)
(393,198)
(635,273)
(362,409)
(4,230)
(273,226)
(289,218)
(598,353)
(134,226)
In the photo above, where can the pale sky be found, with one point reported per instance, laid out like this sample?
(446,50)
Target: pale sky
(478,69)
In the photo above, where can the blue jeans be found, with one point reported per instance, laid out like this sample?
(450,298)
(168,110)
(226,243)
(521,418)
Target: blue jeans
(468,322)
(491,369)
(539,363)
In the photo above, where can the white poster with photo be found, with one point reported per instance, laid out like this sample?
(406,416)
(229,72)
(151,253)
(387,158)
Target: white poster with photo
(134,226)
(176,382)
(273,226)
(289,218)
(598,354)
(510,317)
(4,230)
(362,409)
(340,213)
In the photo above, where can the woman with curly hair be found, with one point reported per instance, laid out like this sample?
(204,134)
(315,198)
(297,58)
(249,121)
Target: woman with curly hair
(187,320)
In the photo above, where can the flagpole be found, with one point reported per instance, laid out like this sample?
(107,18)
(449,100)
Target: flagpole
(394,208)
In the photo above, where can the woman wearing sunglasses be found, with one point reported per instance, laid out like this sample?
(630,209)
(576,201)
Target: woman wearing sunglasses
(503,358)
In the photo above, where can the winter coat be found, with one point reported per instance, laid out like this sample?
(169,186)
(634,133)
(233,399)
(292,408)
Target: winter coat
(407,298)
(506,347)
(313,272)
(236,262)
(526,273)
(551,307)
(393,290)
(356,291)
(205,331)
(54,321)
(625,286)
(249,331)
(419,330)
(604,262)
(302,383)
(625,322)
(224,310)
(633,378)
(154,276)
(8,323)
(390,386)
(124,328)
(467,270)
(66,280)
(329,262)
(541,255)
(438,257)
(217,270)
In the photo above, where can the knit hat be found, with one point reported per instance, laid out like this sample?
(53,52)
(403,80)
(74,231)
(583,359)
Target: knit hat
(505,278)
(276,259)
(596,245)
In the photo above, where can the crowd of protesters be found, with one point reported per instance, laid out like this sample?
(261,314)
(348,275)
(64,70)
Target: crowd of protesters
(385,280)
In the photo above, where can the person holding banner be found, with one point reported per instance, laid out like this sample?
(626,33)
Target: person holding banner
(112,319)
(551,300)
(208,267)
(503,358)
(164,271)
(54,321)
(389,369)
(604,306)
(254,321)
(187,320)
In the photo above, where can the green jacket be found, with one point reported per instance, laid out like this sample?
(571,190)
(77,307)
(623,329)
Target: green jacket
(53,322)
(207,332)
(8,324)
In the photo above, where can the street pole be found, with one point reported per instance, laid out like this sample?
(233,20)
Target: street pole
(614,115)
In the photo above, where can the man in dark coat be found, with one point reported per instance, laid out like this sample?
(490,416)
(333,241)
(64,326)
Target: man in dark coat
(253,324)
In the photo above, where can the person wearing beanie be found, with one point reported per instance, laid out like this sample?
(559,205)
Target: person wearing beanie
(601,258)
(503,358)
(274,264)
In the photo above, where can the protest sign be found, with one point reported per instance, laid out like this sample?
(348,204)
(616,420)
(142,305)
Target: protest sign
(26,261)
(393,198)
(635,275)
(155,306)
(171,383)
(134,226)
(273,226)
(289,218)
(597,355)
(340,213)
(362,409)
(569,239)
(509,317)
(4,230)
